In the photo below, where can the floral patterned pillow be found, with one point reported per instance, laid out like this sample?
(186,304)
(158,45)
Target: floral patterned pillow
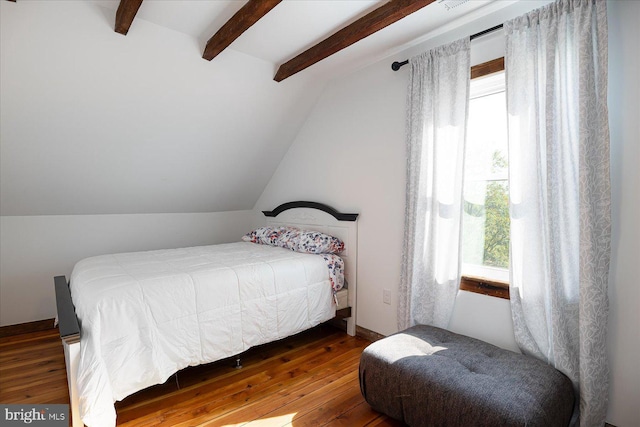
(288,238)
(263,235)
(315,242)
(292,238)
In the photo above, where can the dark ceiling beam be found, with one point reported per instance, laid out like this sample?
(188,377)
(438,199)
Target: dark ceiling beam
(385,15)
(248,15)
(127,10)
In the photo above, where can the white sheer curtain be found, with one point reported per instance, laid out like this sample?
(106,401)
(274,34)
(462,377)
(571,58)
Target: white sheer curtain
(556,64)
(437,102)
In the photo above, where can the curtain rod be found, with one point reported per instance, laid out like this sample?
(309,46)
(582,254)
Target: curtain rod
(396,65)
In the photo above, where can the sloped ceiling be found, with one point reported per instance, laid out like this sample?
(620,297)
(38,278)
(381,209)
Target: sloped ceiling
(93,122)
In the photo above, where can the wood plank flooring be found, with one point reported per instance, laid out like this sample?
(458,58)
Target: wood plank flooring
(310,379)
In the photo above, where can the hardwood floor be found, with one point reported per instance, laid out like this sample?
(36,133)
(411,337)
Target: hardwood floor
(310,379)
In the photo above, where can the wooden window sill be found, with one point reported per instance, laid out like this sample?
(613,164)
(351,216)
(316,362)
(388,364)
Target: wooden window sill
(481,285)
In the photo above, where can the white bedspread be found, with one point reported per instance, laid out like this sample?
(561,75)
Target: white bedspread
(146,315)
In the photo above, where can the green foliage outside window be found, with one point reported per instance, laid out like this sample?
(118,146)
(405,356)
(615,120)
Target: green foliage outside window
(496,227)
(496,217)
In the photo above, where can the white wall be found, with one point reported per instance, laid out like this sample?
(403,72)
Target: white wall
(624,285)
(350,153)
(36,248)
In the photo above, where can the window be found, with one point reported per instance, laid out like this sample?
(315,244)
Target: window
(485,224)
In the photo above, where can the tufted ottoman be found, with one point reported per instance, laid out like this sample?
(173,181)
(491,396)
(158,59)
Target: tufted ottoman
(427,376)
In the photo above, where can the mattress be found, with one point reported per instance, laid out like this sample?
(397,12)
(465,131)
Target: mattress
(146,315)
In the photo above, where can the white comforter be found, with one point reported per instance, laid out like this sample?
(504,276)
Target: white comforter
(146,315)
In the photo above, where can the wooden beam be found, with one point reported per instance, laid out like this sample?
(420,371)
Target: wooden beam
(487,68)
(385,15)
(127,10)
(250,13)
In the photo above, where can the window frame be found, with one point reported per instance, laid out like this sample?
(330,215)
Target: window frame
(477,284)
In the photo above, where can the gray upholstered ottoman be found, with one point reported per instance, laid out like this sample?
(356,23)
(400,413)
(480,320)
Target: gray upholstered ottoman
(427,376)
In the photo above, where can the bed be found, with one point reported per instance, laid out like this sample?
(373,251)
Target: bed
(129,321)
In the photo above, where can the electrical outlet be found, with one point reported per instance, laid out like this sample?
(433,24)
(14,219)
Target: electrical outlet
(386,296)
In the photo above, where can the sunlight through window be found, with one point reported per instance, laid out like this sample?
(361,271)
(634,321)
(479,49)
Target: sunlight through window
(486,185)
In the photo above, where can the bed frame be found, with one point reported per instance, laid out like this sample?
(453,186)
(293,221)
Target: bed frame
(308,215)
